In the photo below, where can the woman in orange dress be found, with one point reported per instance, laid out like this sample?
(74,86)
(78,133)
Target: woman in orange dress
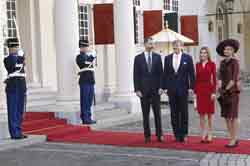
(205,89)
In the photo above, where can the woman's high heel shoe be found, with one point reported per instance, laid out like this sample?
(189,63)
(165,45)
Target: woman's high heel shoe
(236,143)
(204,139)
(209,138)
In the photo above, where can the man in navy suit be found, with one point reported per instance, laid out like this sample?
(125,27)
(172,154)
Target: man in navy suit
(178,83)
(148,70)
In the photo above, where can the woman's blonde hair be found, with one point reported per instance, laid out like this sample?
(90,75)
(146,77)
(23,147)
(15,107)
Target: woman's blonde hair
(208,53)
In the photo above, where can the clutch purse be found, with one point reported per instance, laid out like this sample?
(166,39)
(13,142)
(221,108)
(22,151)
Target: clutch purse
(220,100)
(225,100)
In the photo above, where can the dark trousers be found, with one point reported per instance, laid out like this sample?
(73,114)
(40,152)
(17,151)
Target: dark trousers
(15,107)
(146,103)
(179,115)
(86,101)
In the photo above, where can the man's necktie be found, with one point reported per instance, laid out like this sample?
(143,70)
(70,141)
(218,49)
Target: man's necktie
(149,62)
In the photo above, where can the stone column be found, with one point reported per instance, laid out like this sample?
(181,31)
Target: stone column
(109,72)
(28,30)
(247,41)
(125,53)
(3,110)
(67,36)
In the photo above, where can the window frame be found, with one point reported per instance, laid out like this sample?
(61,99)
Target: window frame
(167,5)
(175,5)
(11,14)
(84,22)
(137,6)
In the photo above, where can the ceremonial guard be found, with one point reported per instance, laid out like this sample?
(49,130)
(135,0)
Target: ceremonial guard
(85,61)
(15,88)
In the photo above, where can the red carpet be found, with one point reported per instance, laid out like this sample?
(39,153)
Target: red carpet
(58,131)
(45,123)
(126,139)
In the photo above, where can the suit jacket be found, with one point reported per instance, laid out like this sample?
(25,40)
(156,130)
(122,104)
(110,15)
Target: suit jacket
(144,81)
(178,82)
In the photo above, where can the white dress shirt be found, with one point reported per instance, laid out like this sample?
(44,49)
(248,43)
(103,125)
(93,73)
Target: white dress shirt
(177,61)
(148,54)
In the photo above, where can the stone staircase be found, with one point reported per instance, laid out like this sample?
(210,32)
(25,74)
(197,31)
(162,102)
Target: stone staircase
(44,100)
(37,97)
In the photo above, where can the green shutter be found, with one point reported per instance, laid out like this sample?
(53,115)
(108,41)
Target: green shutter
(172,19)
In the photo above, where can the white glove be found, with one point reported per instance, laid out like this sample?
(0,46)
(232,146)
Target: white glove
(20,53)
(92,53)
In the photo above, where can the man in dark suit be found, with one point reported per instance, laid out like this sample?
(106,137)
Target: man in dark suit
(178,83)
(148,70)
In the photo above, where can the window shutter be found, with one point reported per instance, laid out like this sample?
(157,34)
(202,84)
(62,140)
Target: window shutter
(152,22)
(172,19)
(104,24)
(189,28)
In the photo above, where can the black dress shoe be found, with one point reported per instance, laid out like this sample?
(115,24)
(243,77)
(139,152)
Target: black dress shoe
(147,140)
(21,137)
(89,122)
(177,139)
(183,139)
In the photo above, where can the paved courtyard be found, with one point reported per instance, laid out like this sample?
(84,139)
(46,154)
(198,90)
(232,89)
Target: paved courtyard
(58,154)
(219,124)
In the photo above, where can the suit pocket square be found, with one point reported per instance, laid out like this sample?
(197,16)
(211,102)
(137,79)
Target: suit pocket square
(184,63)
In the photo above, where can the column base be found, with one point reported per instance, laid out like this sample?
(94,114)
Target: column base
(68,107)
(108,92)
(4,129)
(128,101)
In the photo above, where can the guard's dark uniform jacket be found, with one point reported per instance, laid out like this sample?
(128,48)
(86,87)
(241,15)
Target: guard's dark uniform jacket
(86,66)
(15,92)
(86,82)
(14,65)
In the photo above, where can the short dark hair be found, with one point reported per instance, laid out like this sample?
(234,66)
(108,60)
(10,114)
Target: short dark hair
(178,42)
(147,40)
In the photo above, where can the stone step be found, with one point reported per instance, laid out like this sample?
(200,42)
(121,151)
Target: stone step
(44,102)
(41,96)
(112,113)
(14,144)
(120,119)
(104,107)
(3,116)
(4,130)
(37,97)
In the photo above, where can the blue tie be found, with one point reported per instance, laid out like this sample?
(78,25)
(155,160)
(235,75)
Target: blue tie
(149,63)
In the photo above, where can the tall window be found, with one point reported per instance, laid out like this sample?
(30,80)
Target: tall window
(11,27)
(175,5)
(167,4)
(11,15)
(137,2)
(136,19)
(136,26)
(83,22)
